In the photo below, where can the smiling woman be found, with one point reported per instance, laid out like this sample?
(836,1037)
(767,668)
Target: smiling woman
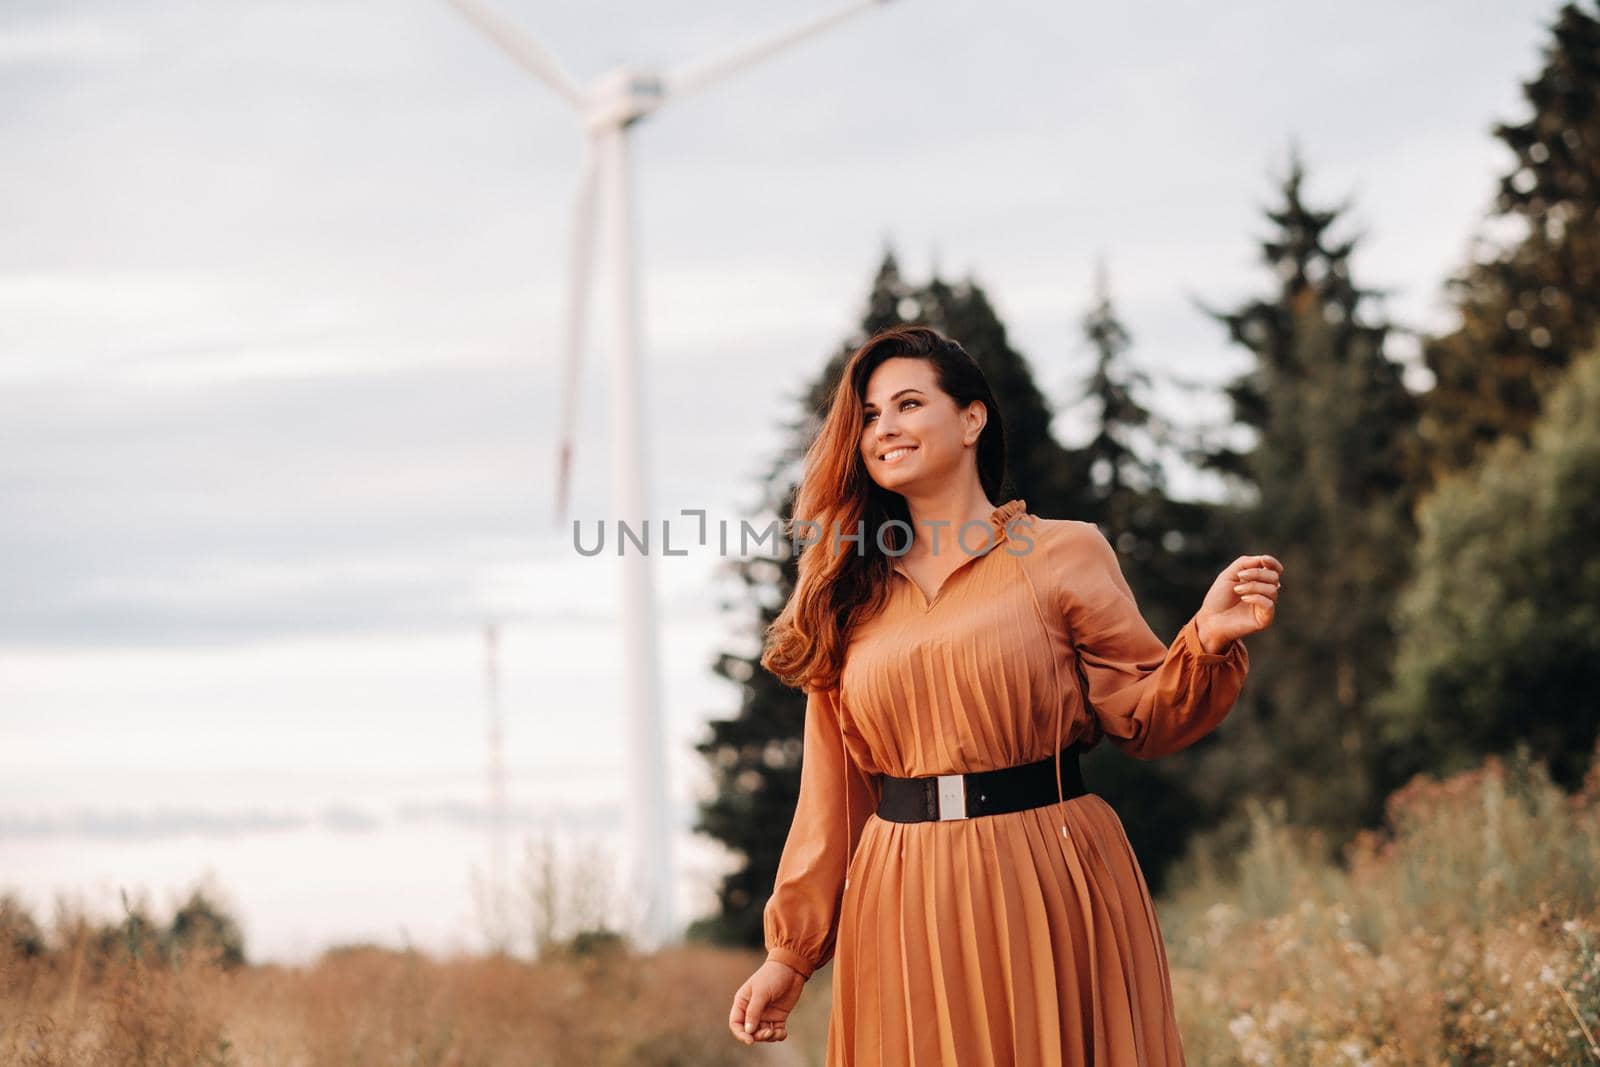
(985,907)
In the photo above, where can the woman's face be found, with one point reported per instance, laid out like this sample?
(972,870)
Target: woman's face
(912,433)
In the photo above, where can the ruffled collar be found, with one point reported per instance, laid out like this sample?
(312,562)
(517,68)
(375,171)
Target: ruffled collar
(1000,516)
(998,520)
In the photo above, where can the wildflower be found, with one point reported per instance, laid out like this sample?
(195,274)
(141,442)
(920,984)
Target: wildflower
(1354,1050)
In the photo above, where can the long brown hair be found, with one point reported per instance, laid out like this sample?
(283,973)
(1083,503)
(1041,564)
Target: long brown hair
(843,582)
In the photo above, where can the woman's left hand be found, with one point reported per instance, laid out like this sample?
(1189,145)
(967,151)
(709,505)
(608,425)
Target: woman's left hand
(1241,601)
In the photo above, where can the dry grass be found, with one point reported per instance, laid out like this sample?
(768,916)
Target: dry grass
(90,994)
(375,1006)
(1465,934)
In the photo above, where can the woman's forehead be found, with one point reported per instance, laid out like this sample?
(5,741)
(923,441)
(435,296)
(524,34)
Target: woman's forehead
(898,373)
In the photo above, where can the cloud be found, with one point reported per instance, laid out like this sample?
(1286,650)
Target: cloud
(360,503)
(153,823)
(129,824)
(70,40)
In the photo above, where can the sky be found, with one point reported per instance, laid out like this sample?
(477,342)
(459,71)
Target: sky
(281,296)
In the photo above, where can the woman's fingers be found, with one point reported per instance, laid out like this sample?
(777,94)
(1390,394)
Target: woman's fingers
(1259,574)
(736,1017)
(1265,568)
(763,1032)
(748,1024)
(752,1014)
(1264,588)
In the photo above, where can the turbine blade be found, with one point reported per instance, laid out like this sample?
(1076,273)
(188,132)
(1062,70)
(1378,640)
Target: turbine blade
(523,49)
(692,76)
(580,264)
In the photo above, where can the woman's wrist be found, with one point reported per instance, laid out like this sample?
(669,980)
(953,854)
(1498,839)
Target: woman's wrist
(778,958)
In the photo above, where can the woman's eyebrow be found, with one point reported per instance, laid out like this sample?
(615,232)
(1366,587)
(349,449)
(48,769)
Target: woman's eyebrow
(896,396)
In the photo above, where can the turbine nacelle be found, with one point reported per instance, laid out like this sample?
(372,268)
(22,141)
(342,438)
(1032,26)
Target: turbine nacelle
(621,97)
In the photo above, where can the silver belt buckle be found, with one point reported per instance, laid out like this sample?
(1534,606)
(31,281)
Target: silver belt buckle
(952,797)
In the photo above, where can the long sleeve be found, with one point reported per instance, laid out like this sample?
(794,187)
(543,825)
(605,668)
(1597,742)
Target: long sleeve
(801,918)
(1151,699)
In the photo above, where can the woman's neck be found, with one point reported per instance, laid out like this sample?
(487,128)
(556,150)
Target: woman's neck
(937,519)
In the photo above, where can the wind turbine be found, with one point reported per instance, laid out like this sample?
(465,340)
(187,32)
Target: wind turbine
(607,108)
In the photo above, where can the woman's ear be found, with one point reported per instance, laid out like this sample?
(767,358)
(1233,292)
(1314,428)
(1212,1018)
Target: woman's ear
(976,417)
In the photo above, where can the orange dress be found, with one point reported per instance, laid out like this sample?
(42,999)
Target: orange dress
(1021,938)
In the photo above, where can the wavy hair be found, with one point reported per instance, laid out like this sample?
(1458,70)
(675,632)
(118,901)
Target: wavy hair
(841,583)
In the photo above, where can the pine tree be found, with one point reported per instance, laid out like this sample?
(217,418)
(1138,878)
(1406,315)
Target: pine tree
(1168,547)
(1169,550)
(1326,486)
(1527,307)
(1116,469)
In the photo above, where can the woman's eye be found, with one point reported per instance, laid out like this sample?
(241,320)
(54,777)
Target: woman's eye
(873,414)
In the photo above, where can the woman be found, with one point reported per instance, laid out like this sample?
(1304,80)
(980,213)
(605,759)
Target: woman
(986,908)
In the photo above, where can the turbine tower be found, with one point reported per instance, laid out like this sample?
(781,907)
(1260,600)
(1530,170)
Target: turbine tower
(498,926)
(607,108)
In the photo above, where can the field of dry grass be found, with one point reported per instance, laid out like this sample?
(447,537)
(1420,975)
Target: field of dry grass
(369,1006)
(1465,934)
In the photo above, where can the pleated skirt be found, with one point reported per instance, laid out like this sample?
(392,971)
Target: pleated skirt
(997,941)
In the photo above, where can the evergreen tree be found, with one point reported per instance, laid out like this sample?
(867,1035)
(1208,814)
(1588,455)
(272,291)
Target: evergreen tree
(1527,307)
(1117,471)
(1168,547)
(201,926)
(19,933)
(1326,486)
(1170,550)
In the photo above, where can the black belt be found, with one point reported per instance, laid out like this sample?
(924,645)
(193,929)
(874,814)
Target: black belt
(964,796)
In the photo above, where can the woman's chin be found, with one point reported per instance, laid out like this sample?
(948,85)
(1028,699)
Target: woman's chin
(896,481)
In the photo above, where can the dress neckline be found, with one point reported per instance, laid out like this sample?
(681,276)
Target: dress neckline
(999,518)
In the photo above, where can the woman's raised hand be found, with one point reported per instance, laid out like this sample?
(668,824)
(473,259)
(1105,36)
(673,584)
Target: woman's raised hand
(762,1005)
(1241,601)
